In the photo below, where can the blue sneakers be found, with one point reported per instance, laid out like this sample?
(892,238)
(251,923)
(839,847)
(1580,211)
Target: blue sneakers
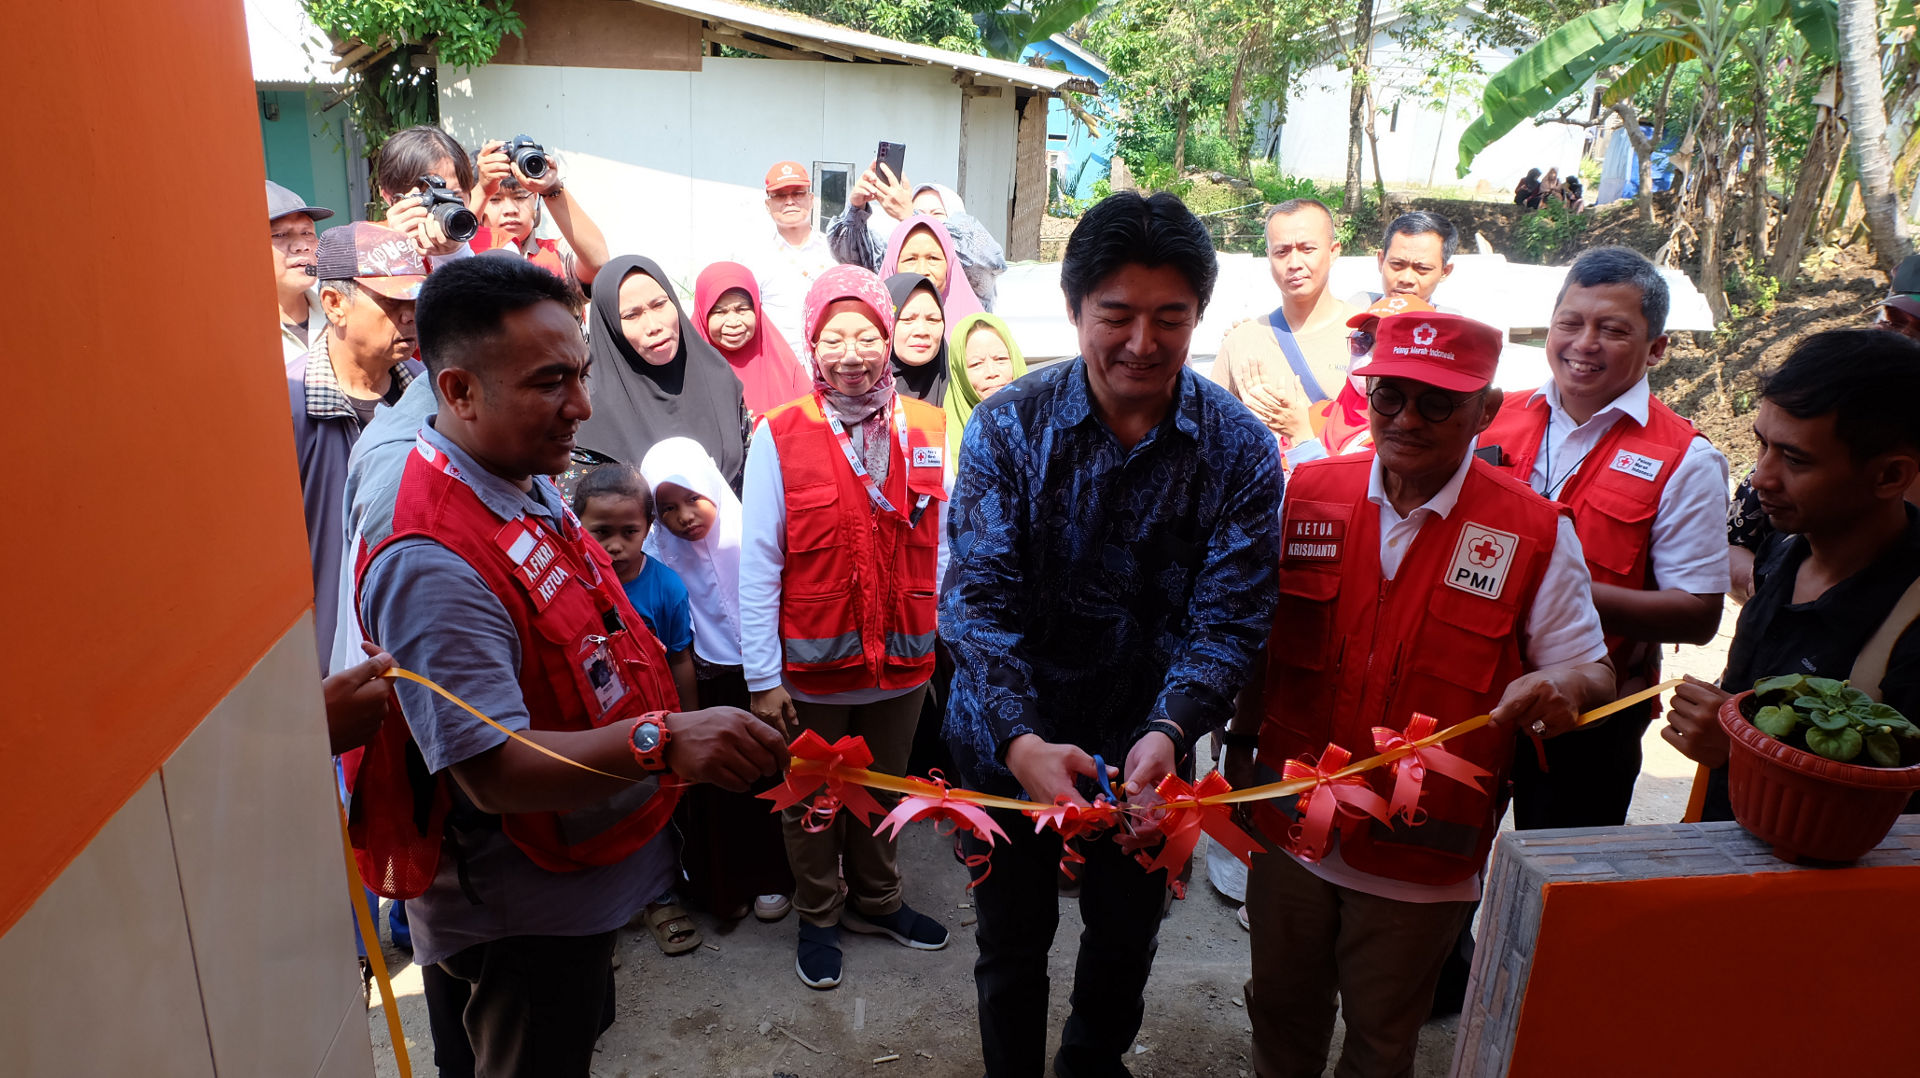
(904,926)
(818,962)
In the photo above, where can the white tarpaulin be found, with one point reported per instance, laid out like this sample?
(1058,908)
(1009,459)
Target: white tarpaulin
(1489,288)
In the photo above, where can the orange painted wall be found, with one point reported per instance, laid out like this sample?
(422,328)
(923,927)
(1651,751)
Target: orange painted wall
(1804,973)
(154,545)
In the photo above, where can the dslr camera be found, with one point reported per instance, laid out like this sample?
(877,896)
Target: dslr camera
(448,208)
(528,156)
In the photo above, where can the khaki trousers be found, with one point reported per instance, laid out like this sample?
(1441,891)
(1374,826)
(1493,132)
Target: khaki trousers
(847,846)
(1312,941)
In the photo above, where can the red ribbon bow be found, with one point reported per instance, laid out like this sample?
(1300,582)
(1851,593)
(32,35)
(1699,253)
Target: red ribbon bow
(1348,796)
(816,764)
(1410,771)
(1185,817)
(1073,822)
(943,808)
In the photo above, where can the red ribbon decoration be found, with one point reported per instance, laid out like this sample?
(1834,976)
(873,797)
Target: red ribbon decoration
(1184,818)
(1410,771)
(818,764)
(1072,822)
(1348,796)
(942,809)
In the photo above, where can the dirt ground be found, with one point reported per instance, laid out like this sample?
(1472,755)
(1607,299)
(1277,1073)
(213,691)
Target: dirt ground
(735,1009)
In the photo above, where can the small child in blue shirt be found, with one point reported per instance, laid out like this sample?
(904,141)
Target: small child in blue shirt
(615,505)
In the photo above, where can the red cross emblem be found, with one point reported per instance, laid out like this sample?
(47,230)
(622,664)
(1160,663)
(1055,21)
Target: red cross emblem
(1486,552)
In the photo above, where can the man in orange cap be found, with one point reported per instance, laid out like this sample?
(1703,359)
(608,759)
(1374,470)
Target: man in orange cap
(786,261)
(1417,576)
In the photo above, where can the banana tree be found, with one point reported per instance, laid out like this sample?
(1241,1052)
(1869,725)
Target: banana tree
(1630,44)
(1860,69)
(1007,29)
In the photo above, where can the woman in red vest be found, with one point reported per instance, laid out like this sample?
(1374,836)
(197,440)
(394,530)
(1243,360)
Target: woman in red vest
(841,552)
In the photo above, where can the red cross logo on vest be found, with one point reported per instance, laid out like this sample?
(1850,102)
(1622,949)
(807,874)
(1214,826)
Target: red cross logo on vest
(1487,552)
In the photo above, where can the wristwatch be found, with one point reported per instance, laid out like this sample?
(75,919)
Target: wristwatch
(1240,741)
(649,741)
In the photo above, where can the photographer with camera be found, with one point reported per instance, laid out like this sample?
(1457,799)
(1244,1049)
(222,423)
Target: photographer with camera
(519,178)
(427,179)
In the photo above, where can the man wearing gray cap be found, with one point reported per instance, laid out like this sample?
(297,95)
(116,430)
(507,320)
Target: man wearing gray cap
(290,222)
(1900,311)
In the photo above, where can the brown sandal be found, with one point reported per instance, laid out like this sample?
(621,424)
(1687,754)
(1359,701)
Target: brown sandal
(672,929)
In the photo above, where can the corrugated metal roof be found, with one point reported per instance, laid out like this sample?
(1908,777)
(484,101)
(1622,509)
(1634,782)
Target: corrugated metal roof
(286,46)
(800,32)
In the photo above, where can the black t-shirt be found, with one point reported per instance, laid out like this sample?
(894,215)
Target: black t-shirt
(1821,638)
(363,409)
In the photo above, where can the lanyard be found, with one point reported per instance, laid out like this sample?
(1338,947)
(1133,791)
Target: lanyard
(859,467)
(590,577)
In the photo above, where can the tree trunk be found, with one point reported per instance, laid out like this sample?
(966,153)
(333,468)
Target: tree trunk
(1180,141)
(1867,117)
(1643,151)
(1805,197)
(1706,189)
(1357,100)
(1757,173)
(1373,144)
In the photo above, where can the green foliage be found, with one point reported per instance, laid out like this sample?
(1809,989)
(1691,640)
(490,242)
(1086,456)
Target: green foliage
(940,23)
(392,94)
(1006,29)
(1832,719)
(1545,234)
(1753,289)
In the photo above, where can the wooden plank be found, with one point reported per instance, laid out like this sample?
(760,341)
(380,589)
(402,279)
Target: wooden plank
(1029,180)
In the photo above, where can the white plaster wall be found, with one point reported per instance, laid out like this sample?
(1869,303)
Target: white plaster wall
(671,163)
(1425,147)
(993,131)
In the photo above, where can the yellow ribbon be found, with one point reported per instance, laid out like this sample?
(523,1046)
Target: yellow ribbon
(905,785)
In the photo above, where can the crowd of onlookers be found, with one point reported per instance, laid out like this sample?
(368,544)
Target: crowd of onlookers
(1535,190)
(812,485)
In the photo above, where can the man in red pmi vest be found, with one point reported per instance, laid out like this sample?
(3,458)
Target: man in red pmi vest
(1649,500)
(1416,577)
(518,871)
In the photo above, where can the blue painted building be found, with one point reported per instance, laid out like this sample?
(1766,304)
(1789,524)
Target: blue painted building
(1080,158)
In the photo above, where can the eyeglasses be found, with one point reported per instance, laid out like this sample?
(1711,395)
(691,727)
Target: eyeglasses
(1360,343)
(865,347)
(1434,406)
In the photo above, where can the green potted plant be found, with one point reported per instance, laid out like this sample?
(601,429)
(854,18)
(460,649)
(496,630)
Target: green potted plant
(1818,769)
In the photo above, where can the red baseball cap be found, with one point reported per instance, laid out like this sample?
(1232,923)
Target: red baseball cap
(1449,351)
(378,258)
(787,174)
(1391,303)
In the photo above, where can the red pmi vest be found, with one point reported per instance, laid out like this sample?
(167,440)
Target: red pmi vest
(546,253)
(586,661)
(1351,651)
(1614,496)
(857,608)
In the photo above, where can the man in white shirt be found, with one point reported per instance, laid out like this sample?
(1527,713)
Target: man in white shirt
(1415,578)
(1649,498)
(786,260)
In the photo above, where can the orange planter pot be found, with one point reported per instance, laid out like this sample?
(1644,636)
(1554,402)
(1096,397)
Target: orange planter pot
(1807,806)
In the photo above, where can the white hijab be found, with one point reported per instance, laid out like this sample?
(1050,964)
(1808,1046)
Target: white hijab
(710,568)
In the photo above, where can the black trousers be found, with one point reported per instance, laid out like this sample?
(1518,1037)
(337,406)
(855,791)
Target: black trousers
(1019,908)
(533,1006)
(1589,777)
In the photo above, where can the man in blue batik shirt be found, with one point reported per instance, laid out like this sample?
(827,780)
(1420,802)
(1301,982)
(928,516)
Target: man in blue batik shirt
(1115,536)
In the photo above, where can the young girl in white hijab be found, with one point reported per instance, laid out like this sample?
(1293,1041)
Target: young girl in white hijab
(734,854)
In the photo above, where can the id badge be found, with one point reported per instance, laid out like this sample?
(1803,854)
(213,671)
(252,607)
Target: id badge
(597,663)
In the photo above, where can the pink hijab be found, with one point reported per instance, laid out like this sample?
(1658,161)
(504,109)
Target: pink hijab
(765,365)
(958,299)
(870,410)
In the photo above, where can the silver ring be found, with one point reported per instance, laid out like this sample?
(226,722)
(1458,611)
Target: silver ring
(1540,726)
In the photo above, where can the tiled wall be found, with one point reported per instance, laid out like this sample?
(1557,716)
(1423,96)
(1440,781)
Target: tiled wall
(205,930)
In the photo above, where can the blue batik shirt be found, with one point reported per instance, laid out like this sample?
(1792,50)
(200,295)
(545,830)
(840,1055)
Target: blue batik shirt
(1094,588)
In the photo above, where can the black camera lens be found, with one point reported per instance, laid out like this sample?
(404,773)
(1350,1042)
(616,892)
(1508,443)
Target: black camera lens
(531,163)
(457,221)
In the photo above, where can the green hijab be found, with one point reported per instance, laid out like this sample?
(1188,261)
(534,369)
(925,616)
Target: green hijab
(961,396)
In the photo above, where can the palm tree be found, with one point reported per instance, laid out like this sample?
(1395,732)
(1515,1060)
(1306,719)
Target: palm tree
(1867,116)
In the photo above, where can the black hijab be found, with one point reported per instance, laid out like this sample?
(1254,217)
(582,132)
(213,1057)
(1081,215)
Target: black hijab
(636,404)
(927,382)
